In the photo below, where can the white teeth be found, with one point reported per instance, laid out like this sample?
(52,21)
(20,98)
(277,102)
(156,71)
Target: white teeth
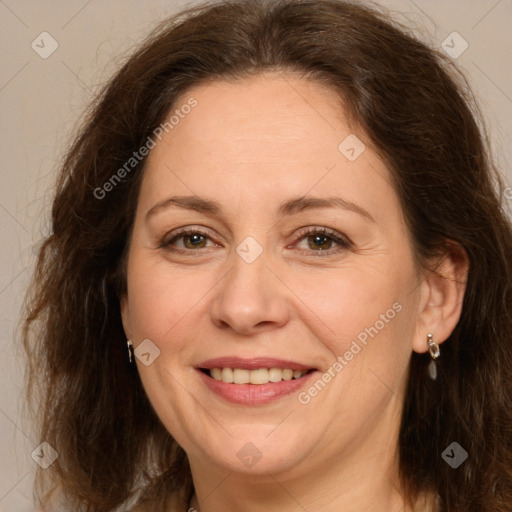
(275,375)
(287,374)
(259,376)
(226,375)
(241,376)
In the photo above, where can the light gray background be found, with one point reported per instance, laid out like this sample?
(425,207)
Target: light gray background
(42,101)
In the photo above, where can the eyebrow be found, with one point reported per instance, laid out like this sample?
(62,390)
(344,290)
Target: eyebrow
(290,207)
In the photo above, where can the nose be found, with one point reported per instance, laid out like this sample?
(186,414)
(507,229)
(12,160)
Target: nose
(251,298)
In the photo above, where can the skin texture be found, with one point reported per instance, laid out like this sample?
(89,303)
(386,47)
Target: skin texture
(252,145)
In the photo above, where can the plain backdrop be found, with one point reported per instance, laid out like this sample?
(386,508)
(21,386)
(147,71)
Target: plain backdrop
(42,101)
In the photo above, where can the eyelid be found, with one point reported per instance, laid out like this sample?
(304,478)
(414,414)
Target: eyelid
(332,233)
(180,232)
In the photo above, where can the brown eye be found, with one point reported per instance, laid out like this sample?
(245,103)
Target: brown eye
(191,240)
(196,240)
(321,240)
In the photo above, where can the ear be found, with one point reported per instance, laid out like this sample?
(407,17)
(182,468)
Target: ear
(441,297)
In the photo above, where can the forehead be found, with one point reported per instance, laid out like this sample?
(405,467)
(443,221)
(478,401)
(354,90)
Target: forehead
(260,137)
(271,116)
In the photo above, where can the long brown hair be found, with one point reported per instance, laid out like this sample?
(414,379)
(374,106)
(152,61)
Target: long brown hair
(417,110)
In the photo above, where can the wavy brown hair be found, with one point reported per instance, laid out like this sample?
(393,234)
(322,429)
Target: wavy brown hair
(417,110)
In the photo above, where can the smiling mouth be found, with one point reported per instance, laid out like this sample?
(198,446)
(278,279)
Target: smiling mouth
(258,376)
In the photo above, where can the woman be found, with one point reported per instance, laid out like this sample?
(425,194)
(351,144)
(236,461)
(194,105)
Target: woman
(279,277)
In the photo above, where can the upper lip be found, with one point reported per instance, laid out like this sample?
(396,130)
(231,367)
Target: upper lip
(252,363)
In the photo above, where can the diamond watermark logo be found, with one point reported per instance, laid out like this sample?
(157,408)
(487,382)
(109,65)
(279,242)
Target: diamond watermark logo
(454,45)
(454,455)
(249,250)
(44,45)
(147,352)
(351,147)
(44,455)
(249,454)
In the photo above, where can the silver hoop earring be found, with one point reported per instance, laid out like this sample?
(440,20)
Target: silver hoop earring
(433,348)
(130,349)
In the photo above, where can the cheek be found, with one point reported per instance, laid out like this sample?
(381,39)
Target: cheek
(353,302)
(156,302)
(165,301)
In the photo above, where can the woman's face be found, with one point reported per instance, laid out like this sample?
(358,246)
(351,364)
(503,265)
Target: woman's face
(296,257)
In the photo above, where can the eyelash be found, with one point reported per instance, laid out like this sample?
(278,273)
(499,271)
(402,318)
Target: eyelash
(343,242)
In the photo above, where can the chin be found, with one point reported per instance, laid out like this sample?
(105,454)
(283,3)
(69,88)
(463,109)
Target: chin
(257,450)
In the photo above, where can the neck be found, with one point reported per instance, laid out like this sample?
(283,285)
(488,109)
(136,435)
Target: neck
(425,503)
(235,494)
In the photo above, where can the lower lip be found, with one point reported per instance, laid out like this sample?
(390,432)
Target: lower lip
(254,394)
